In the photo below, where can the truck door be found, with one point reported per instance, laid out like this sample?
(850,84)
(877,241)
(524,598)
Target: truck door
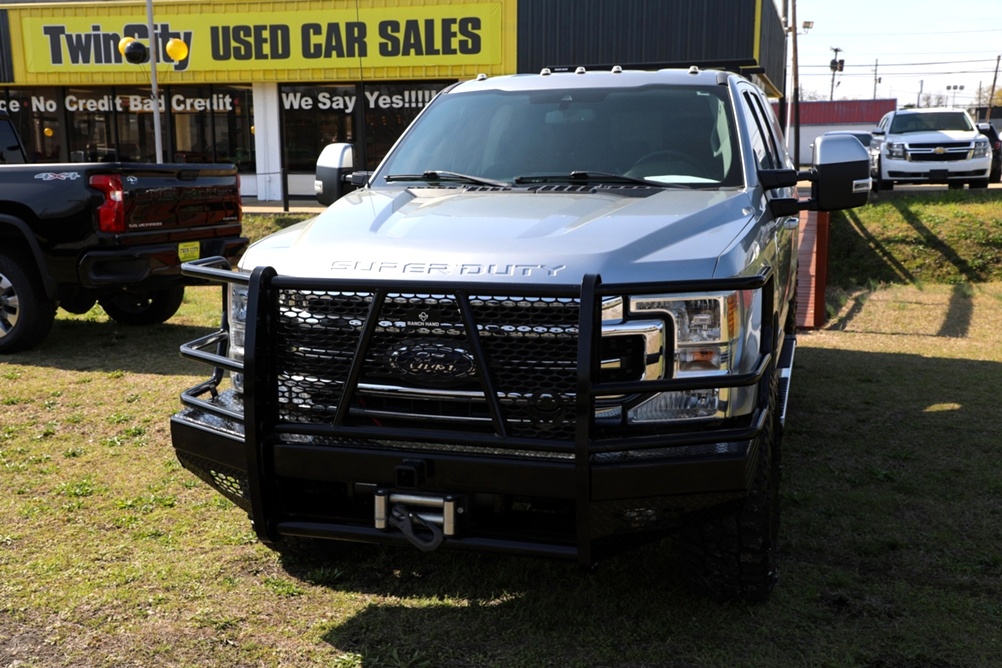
(771,154)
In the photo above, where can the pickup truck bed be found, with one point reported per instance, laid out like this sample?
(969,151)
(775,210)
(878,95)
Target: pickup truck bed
(77,234)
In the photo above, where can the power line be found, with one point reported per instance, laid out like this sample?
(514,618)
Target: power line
(885,73)
(899,33)
(940,62)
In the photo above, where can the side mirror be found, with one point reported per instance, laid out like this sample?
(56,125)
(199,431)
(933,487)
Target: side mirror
(840,178)
(841,174)
(877,132)
(335,164)
(984,126)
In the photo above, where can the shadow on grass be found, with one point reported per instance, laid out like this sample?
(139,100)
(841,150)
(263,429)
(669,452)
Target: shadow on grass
(81,345)
(873,263)
(956,322)
(936,243)
(890,506)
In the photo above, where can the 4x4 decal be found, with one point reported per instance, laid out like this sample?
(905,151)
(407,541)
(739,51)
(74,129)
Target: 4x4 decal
(58,176)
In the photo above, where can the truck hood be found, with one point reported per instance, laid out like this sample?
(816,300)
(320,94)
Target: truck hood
(546,235)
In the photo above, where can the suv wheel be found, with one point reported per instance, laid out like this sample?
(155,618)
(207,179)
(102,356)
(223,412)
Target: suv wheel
(26,313)
(979,184)
(144,308)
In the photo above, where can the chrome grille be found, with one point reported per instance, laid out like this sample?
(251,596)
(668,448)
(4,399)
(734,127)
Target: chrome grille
(939,152)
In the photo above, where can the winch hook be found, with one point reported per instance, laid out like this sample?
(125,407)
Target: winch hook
(404,520)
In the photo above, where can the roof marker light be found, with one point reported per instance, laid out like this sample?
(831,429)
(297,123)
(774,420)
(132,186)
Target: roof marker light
(580,70)
(545,72)
(693,70)
(616,69)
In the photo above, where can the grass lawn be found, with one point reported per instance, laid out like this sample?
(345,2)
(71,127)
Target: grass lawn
(891,555)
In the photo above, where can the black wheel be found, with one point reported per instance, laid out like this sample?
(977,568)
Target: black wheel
(732,555)
(978,184)
(26,313)
(144,308)
(955,185)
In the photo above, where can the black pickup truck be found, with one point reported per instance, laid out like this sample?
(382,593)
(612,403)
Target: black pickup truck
(76,234)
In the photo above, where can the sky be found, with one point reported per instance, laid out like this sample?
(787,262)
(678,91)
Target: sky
(918,47)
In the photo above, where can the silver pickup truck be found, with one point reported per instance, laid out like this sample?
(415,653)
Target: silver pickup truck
(558,320)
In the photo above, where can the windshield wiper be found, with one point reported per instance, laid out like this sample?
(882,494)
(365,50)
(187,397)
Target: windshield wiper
(440,175)
(587,177)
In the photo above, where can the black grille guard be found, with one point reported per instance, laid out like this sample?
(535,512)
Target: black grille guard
(575,466)
(259,372)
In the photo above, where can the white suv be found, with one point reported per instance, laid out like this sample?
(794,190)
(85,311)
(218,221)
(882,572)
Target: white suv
(929,146)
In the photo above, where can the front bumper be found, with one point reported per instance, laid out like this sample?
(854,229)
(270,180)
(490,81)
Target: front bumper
(580,497)
(515,504)
(934,172)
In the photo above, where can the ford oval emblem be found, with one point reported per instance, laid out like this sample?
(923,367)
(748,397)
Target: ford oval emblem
(433,364)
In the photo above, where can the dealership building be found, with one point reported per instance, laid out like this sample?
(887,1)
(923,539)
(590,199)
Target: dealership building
(266,85)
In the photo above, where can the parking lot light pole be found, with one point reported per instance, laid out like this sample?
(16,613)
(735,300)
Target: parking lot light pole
(955,88)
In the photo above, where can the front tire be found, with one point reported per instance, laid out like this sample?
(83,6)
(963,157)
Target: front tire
(26,312)
(144,308)
(732,555)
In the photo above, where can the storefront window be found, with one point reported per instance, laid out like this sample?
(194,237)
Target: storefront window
(91,136)
(213,124)
(192,125)
(389,109)
(37,114)
(136,141)
(312,117)
(233,130)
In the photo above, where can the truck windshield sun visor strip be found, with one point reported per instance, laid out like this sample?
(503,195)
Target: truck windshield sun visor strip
(397,363)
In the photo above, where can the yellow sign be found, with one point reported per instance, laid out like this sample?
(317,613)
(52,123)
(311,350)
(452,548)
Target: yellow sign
(188,251)
(413,36)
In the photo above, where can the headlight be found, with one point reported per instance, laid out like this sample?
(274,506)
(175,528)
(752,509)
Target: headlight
(714,335)
(981,148)
(237,306)
(895,150)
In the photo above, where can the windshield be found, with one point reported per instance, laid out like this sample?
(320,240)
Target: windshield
(939,120)
(662,135)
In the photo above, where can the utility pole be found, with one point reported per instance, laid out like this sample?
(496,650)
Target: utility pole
(796,90)
(836,66)
(876,79)
(991,96)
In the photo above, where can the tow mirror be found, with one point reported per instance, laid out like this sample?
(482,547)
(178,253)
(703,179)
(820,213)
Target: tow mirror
(334,168)
(842,173)
(840,178)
